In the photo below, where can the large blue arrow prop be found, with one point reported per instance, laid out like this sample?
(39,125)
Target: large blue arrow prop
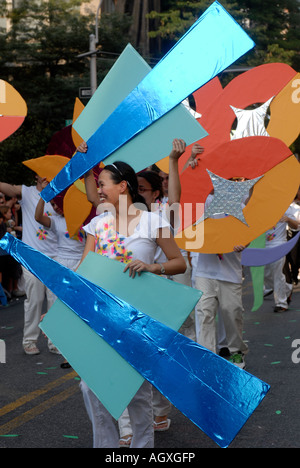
(213,43)
(213,393)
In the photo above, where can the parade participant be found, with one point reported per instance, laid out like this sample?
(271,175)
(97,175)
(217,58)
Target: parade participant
(131,235)
(69,249)
(275,279)
(219,277)
(35,236)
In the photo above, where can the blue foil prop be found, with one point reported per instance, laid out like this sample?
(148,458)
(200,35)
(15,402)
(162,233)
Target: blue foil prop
(213,393)
(213,43)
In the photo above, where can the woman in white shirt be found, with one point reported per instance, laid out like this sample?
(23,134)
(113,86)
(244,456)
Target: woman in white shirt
(131,234)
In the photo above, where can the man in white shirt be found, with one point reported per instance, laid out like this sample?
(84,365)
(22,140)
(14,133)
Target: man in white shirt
(37,237)
(219,277)
(274,277)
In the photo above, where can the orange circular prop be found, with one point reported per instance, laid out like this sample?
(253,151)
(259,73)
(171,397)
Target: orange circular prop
(249,157)
(270,199)
(13,110)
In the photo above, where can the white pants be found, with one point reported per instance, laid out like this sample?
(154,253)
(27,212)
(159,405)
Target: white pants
(124,424)
(105,432)
(275,279)
(36,292)
(227,298)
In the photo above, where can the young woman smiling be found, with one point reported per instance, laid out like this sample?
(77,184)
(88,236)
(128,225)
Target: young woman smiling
(126,231)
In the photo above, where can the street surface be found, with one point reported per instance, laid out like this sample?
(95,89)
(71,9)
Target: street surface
(41,404)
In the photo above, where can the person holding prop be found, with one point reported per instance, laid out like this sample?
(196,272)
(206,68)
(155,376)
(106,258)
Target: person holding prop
(126,231)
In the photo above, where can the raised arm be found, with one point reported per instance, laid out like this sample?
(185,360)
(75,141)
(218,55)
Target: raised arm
(193,160)
(174,188)
(11,190)
(40,208)
(89,180)
(39,214)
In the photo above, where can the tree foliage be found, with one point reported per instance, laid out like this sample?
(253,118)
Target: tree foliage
(274,26)
(39,57)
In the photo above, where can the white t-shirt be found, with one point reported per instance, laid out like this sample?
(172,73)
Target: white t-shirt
(34,234)
(67,247)
(163,209)
(224,267)
(277,234)
(296,207)
(140,245)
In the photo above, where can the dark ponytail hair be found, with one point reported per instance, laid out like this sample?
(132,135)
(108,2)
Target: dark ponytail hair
(122,171)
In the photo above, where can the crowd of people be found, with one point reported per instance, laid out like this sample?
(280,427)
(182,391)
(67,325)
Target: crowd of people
(142,239)
(10,270)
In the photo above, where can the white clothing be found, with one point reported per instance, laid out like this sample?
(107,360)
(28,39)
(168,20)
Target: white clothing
(225,267)
(277,234)
(36,292)
(33,234)
(219,277)
(296,209)
(274,277)
(226,298)
(36,236)
(141,244)
(67,247)
(105,434)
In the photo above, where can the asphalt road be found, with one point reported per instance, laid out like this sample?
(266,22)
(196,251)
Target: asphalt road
(41,405)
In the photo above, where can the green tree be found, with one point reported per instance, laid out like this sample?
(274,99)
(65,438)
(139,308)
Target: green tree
(39,57)
(274,26)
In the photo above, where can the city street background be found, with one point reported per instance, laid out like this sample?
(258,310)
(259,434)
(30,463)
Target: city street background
(41,405)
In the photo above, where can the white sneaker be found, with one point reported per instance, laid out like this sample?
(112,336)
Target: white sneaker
(31,349)
(53,349)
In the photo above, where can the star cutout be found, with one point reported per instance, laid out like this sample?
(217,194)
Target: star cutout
(229,197)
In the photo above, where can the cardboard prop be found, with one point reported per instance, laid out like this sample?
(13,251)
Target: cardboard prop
(258,274)
(13,110)
(257,257)
(73,202)
(203,97)
(125,75)
(257,85)
(162,89)
(221,235)
(249,157)
(215,394)
(285,112)
(115,382)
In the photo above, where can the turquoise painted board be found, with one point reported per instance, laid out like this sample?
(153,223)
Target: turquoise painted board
(124,76)
(126,73)
(113,380)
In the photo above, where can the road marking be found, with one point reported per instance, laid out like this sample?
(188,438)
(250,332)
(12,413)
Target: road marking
(36,393)
(32,413)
